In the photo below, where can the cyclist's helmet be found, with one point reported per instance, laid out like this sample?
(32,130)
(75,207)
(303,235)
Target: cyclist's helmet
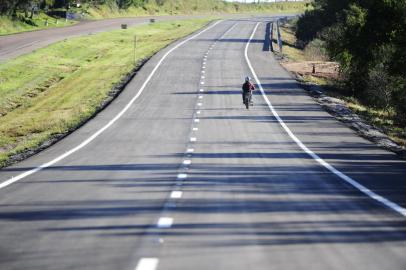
(247,79)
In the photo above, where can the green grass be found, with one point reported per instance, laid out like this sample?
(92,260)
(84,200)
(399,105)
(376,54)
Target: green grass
(194,7)
(289,49)
(382,119)
(9,26)
(54,89)
(170,7)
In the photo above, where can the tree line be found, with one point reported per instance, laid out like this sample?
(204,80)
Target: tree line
(368,39)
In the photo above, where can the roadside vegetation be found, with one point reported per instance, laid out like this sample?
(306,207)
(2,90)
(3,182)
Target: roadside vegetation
(25,15)
(53,90)
(357,48)
(40,21)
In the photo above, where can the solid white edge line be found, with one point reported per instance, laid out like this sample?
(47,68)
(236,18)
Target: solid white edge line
(111,122)
(147,264)
(344,177)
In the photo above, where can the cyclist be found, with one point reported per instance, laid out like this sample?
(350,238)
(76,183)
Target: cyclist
(247,89)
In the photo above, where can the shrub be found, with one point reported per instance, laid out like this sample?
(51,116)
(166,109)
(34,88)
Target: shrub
(316,50)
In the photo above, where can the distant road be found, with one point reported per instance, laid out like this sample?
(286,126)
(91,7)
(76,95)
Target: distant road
(15,45)
(18,44)
(187,178)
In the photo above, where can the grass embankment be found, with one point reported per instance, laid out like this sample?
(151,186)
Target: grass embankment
(296,59)
(180,7)
(41,21)
(193,7)
(53,90)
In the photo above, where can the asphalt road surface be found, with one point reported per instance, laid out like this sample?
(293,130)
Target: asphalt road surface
(15,45)
(187,178)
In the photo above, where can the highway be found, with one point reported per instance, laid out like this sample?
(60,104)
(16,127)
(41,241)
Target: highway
(177,174)
(12,46)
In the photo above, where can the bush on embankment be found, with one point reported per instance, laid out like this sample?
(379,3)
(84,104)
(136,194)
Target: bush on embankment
(368,39)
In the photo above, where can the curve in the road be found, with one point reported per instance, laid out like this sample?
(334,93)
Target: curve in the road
(111,122)
(321,161)
(14,45)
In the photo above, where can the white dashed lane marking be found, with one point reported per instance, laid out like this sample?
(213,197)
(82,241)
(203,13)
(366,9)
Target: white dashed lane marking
(176,194)
(164,222)
(187,162)
(110,123)
(167,222)
(147,264)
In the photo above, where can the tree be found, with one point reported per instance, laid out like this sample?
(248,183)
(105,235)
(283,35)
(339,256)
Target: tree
(368,38)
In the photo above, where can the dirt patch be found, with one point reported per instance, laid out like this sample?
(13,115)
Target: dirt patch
(321,69)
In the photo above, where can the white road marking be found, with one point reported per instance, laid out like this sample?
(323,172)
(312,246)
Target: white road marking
(193,139)
(190,150)
(321,161)
(176,194)
(182,176)
(200,97)
(147,264)
(187,162)
(203,77)
(201,82)
(199,104)
(198,112)
(110,123)
(195,129)
(164,222)
(197,120)
(203,71)
(201,90)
